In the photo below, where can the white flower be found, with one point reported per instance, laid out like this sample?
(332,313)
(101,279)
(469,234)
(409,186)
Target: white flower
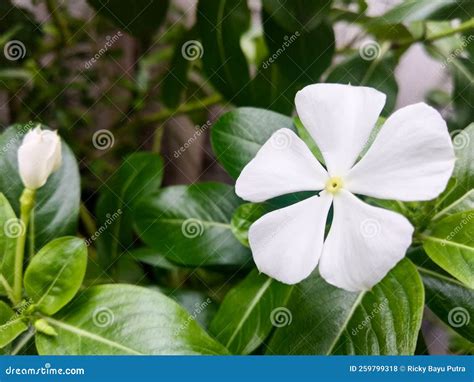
(411,159)
(38,157)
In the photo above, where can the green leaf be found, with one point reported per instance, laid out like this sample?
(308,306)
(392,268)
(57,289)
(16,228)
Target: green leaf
(55,274)
(243,217)
(57,203)
(464,168)
(302,55)
(190,225)
(297,14)
(9,228)
(239,134)
(416,10)
(463,91)
(450,244)
(262,300)
(450,300)
(198,305)
(139,175)
(328,320)
(11,325)
(152,257)
(175,82)
(374,72)
(124,319)
(140,18)
(221,25)
(464,203)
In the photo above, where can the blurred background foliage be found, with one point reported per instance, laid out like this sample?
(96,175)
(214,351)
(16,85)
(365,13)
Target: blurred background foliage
(155,72)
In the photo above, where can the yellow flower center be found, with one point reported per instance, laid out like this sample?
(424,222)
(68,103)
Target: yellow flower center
(334,184)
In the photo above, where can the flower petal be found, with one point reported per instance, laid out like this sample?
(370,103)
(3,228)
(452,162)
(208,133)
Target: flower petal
(340,119)
(287,243)
(363,244)
(412,158)
(284,164)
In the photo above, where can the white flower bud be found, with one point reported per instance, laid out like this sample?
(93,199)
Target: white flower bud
(38,157)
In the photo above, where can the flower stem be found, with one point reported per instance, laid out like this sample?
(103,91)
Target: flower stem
(27,202)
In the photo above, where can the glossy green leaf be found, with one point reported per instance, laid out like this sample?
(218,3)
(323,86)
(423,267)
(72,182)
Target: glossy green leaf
(200,306)
(301,54)
(11,325)
(57,203)
(262,301)
(297,14)
(463,91)
(221,25)
(190,225)
(464,203)
(139,175)
(451,301)
(450,244)
(243,217)
(128,320)
(140,18)
(175,81)
(10,227)
(151,257)
(55,273)
(372,72)
(464,167)
(415,10)
(328,320)
(239,134)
